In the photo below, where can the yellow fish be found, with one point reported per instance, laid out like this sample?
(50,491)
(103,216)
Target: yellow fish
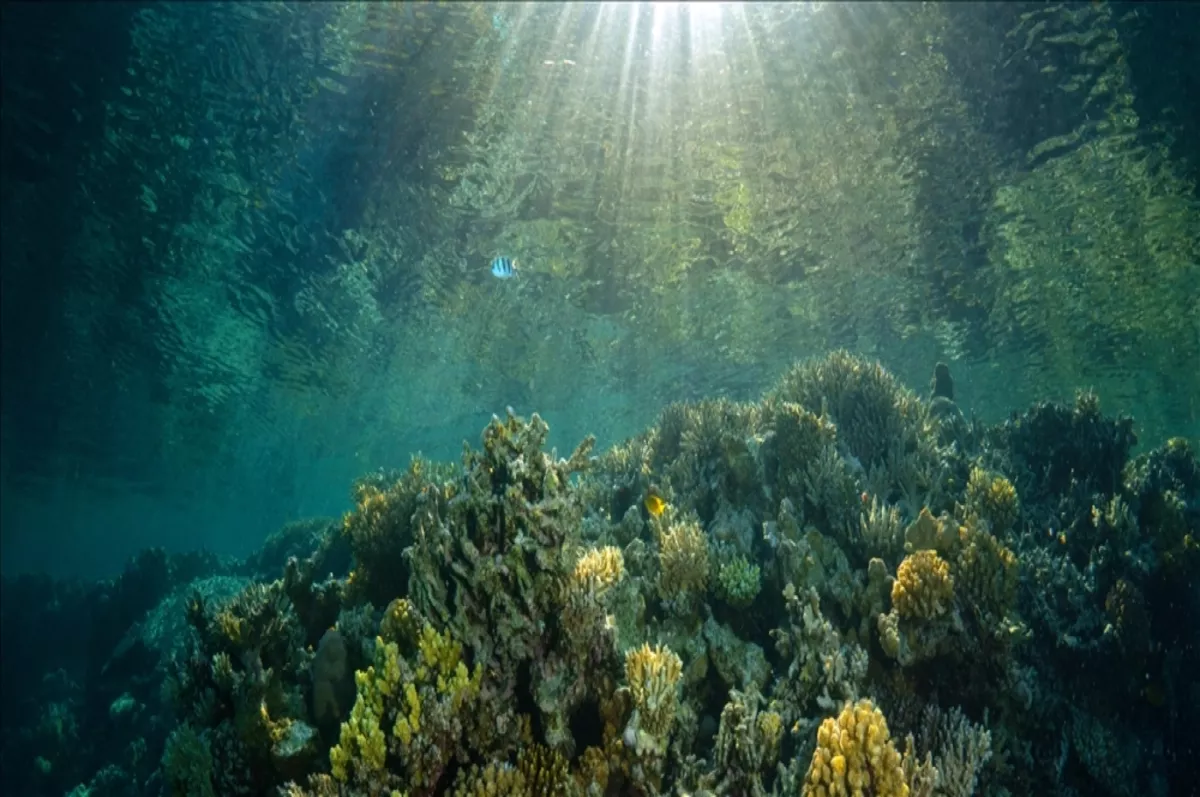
(654,504)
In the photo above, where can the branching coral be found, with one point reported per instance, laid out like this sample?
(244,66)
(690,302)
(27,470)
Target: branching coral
(993,499)
(188,764)
(796,438)
(870,407)
(822,669)
(653,681)
(923,588)
(747,746)
(855,756)
(417,712)
(539,772)
(683,560)
(597,570)
(986,580)
(380,526)
(738,582)
(880,532)
(960,750)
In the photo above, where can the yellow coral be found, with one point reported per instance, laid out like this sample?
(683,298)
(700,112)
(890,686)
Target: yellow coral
(400,621)
(598,569)
(929,532)
(987,575)
(538,771)
(653,675)
(770,728)
(442,665)
(683,559)
(992,498)
(230,625)
(361,734)
(923,587)
(855,756)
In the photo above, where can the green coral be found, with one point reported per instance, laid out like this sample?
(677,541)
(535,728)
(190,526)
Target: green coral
(188,764)
(738,582)
(414,711)
(361,750)
(992,498)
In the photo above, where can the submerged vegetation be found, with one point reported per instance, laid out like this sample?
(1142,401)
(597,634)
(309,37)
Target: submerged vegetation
(271,243)
(866,598)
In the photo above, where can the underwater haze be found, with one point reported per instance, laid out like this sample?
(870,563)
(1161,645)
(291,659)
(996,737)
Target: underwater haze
(622,398)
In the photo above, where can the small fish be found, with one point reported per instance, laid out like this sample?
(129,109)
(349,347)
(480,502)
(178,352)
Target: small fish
(504,268)
(654,504)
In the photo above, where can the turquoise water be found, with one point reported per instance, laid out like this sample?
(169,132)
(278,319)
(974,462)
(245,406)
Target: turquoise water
(248,260)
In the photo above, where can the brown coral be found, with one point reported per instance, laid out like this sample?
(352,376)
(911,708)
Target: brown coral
(598,569)
(993,499)
(653,675)
(923,588)
(855,755)
(986,576)
(683,559)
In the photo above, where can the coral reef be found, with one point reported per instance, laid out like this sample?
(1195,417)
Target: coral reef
(855,755)
(520,623)
(923,587)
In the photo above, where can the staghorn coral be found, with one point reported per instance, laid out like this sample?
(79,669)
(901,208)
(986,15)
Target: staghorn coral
(187,763)
(380,526)
(831,494)
(923,588)
(598,570)
(855,756)
(747,745)
(869,406)
(715,463)
(796,437)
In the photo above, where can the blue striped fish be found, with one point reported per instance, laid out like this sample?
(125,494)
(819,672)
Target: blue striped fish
(504,268)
